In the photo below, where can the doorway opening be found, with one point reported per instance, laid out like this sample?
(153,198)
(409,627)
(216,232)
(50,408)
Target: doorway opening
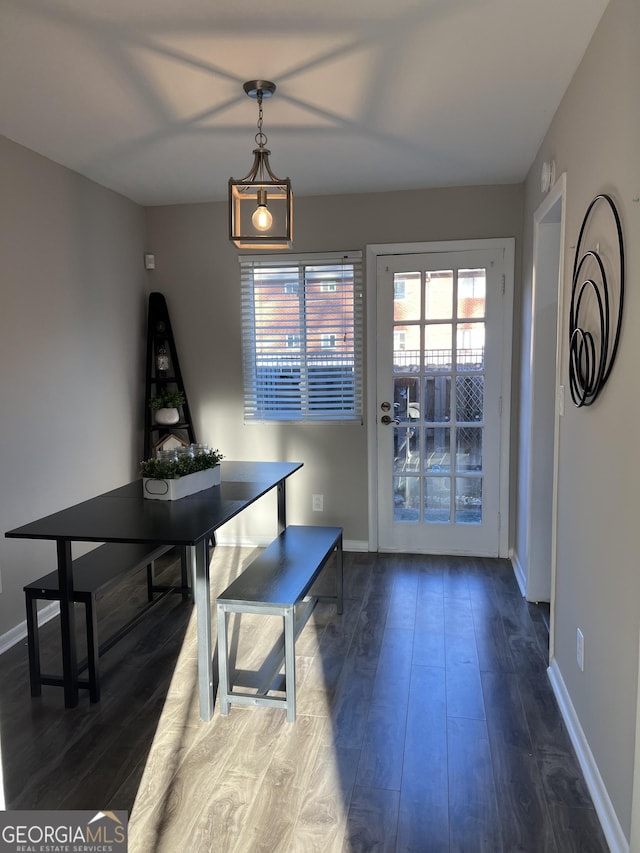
(546,400)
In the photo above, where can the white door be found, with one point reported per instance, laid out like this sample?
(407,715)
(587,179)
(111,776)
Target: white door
(440,352)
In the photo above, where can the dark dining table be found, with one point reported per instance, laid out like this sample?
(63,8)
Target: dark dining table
(124,515)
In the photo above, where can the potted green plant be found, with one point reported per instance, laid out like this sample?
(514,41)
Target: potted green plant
(189,472)
(165,407)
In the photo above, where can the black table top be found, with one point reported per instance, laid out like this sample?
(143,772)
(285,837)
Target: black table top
(124,515)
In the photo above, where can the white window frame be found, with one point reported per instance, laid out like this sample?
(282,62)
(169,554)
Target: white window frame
(284,296)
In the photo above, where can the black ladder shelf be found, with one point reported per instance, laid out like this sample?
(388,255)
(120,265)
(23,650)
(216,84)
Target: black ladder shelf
(162,372)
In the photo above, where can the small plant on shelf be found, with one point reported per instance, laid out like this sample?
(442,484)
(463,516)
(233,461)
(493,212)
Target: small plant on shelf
(173,469)
(167,400)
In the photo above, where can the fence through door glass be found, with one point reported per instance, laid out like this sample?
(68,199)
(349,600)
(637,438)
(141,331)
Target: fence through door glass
(438,395)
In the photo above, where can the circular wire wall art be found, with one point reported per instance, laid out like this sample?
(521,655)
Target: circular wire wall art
(595,315)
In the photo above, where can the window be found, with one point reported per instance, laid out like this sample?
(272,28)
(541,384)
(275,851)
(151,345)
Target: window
(302,333)
(399,340)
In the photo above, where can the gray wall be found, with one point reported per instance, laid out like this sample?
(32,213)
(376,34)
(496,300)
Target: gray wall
(72,328)
(197,270)
(595,139)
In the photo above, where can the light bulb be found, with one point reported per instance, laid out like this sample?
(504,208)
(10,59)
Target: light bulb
(262,219)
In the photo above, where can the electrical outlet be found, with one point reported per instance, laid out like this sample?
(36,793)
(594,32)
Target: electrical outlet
(580,649)
(317,503)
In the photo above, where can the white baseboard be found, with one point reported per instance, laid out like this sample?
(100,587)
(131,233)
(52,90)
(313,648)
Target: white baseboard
(519,572)
(19,632)
(603,806)
(357,545)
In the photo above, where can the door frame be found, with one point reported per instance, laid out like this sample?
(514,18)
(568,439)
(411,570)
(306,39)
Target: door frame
(541,436)
(373,251)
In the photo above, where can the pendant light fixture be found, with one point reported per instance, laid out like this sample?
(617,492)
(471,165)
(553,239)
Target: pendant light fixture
(260,204)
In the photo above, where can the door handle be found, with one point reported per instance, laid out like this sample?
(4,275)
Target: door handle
(386,419)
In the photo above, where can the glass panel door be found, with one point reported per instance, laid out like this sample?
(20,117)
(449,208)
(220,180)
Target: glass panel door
(439,401)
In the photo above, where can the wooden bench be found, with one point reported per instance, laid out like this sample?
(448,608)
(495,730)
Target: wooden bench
(277,583)
(93,574)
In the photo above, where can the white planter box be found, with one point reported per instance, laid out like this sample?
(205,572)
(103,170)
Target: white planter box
(172,490)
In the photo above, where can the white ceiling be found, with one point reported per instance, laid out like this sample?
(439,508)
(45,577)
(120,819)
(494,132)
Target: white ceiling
(145,96)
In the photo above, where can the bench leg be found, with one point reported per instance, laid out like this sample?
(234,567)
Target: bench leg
(224,688)
(150,579)
(184,577)
(33,645)
(290,663)
(92,648)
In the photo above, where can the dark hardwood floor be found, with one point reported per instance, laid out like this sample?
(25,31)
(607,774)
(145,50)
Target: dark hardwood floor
(426,722)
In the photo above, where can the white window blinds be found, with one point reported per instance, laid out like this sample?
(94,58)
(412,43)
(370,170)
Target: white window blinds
(302,333)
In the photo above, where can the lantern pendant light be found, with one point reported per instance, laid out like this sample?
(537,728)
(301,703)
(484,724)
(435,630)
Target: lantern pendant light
(260,204)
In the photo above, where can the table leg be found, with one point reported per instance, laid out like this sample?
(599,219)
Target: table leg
(339,578)
(282,507)
(67,624)
(197,559)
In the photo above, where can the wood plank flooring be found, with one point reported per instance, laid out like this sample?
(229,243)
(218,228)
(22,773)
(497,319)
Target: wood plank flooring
(425,723)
